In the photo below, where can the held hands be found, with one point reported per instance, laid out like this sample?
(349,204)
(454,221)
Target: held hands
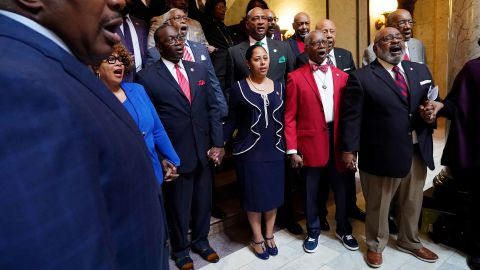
(350,160)
(296,161)
(216,154)
(429,109)
(170,171)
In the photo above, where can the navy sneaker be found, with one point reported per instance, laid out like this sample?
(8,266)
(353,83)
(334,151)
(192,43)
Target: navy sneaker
(310,244)
(348,241)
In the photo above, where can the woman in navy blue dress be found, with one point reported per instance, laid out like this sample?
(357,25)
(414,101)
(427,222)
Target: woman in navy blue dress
(256,112)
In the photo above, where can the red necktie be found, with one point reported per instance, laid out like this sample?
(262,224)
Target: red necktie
(322,68)
(400,82)
(186,55)
(405,57)
(184,85)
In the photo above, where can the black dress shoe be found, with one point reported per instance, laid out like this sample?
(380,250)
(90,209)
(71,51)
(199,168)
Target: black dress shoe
(218,213)
(392,225)
(324,226)
(294,228)
(357,214)
(473,262)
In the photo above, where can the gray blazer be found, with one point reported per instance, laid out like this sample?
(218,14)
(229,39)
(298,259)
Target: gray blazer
(415,48)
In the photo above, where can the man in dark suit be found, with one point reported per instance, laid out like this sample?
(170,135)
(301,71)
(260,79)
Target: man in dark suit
(312,108)
(381,121)
(338,57)
(133,33)
(301,25)
(281,58)
(78,189)
(184,99)
(196,53)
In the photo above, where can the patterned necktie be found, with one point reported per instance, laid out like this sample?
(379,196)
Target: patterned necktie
(184,85)
(400,82)
(329,60)
(128,36)
(405,57)
(186,55)
(322,68)
(259,43)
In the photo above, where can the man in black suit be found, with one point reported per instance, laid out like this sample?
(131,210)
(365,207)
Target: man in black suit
(78,190)
(183,97)
(282,59)
(301,25)
(338,57)
(382,122)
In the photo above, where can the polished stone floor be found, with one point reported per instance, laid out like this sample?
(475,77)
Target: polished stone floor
(230,238)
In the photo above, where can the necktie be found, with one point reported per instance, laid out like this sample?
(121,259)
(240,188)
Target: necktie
(128,36)
(259,43)
(329,61)
(182,81)
(405,57)
(322,68)
(400,82)
(186,55)
(201,5)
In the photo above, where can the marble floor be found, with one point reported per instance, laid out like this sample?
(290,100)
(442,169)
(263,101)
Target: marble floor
(230,239)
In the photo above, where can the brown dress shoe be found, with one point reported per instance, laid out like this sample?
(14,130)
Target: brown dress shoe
(422,253)
(374,259)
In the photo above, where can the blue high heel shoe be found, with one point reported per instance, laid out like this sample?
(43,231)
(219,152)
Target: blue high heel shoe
(271,249)
(264,255)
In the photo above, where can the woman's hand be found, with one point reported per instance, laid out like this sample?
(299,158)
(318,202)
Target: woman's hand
(296,161)
(170,171)
(350,160)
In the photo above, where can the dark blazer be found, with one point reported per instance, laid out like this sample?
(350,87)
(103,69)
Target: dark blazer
(192,128)
(292,42)
(200,53)
(282,61)
(141,28)
(343,58)
(76,178)
(378,122)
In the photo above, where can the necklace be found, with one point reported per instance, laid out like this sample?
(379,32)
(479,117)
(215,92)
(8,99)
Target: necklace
(253,84)
(324,81)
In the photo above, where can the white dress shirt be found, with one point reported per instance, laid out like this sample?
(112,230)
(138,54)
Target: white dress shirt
(332,57)
(171,67)
(264,42)
(136,45)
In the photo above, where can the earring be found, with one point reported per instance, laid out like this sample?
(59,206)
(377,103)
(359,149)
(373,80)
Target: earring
(98,75)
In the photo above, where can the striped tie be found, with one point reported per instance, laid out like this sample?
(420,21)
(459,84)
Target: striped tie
(186,55)
(184,85)
(400,82)
(329,60)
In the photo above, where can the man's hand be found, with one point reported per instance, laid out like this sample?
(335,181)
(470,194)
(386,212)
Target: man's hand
(211,49)
(429,109)
(216,154)
(296,161)
(350,160)
(170,171)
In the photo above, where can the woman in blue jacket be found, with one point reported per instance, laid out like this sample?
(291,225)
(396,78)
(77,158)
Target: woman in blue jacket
(133,97)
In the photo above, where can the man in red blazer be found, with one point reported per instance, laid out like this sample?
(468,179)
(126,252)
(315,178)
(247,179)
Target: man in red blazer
(312,110)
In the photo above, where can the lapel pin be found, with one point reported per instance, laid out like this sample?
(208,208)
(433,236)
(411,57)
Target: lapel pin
(338,74)
(274,50)
(411,68)
(278,94)
(191,69)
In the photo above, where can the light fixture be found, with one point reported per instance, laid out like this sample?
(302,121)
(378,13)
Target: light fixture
(379,10)
(379,22)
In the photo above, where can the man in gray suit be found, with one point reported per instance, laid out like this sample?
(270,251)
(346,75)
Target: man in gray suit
(281,57)
(414,49)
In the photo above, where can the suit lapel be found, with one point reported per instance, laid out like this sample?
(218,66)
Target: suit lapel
(273,53)
(413,81)
(383,74)
(338,58)
(165,73)
(192,78)
(308,75)
(336,91)
(412,49)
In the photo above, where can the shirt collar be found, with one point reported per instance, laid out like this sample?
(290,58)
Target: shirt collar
(389,66)
(37,28)
(253,41)
(170,65)
(332,54)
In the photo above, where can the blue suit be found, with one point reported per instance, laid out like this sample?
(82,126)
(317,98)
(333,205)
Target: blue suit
(200,53)
(143,113)
(77,188)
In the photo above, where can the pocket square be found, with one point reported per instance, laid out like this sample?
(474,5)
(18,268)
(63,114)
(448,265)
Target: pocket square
(201,83)
(282,59)
(425,82)
(203,58)
(345,69)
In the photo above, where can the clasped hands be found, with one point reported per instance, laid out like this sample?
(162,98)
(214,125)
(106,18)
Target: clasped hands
(429,109)
(350,160)
(216,154)
(170,171)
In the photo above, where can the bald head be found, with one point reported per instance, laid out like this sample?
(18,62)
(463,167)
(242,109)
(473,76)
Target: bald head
(301,24)
(389,45)
(329,30)
(402,20)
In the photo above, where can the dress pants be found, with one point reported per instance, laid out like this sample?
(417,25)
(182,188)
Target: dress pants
(379,192)
(188,201)
(316,179)
(164,256)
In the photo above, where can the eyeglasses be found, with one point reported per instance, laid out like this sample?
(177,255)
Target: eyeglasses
(404,23)
(272,19)
(390,38)
(172,40)
(179,18)
(316,44)
(112,59)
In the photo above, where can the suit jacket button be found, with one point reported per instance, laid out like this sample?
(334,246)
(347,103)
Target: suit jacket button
(410,115)
(409,133)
